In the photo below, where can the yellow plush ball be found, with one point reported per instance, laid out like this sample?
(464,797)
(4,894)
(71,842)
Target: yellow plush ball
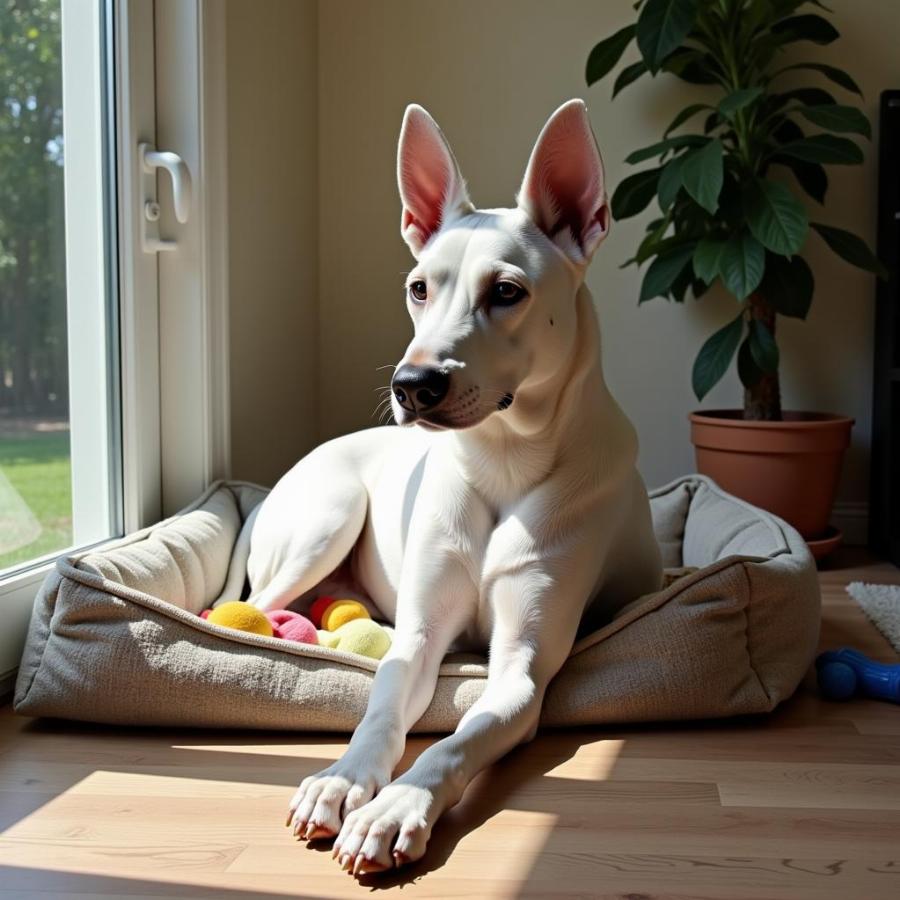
(342,611)
(241,616)
(362,636)
(328,638)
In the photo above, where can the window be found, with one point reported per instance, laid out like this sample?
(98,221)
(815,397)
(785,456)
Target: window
(113,326)
(58,337)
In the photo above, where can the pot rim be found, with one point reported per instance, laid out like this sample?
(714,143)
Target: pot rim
(797,420)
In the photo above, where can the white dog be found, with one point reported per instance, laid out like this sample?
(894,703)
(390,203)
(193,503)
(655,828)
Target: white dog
(512,508)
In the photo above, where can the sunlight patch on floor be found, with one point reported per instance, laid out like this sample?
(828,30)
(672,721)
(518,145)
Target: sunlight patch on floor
(327,752)
(130,789)
(592,761)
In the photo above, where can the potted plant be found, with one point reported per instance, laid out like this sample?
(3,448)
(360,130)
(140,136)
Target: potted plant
(729,213)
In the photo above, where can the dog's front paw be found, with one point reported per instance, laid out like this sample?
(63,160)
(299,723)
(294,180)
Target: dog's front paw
(322,800)
(390,830)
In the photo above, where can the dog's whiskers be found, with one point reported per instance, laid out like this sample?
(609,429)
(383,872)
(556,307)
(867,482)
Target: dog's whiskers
(380,407)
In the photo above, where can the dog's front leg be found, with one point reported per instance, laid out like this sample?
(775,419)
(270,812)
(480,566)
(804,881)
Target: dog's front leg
(401,691)
(435,601)
(532,637)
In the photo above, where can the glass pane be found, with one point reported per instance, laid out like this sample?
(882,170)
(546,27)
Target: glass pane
(36,505)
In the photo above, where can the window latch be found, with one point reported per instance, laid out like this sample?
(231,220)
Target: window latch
(151,159)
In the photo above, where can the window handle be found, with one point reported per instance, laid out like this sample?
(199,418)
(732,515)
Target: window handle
(150,160)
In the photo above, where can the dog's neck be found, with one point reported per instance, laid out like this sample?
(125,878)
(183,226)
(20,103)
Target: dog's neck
(513,451)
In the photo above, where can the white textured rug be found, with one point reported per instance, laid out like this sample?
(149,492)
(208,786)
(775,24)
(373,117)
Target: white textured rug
(881,603)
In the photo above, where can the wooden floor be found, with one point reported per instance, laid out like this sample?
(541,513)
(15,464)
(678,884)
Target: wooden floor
(804,803)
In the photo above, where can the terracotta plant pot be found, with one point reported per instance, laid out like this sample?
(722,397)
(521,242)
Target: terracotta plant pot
(790,468)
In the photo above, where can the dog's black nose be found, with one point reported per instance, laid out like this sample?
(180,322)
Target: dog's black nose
(420,388)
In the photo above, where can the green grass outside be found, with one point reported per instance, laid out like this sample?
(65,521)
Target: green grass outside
(37,465)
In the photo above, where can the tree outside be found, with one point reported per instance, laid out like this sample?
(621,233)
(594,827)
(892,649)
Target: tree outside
(35,489)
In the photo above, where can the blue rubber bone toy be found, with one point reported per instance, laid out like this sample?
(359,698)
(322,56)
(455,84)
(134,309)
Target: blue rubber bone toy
(845,672)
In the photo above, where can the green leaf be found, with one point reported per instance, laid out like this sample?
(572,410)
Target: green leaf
(776,218)
(670,182)
(629,74)
(663,271)
(715,356)
(838,76)
(742,264)
(698,288)
(788,130)
(707,259)
(763,347)
(702,174)
(653,243)
(788,285)
(634,193)
(807,28)
(691,66)
(607,53)
(851,248)
(738,100)
(684,115)
(823,148)
(672,143)
(661,26)
(838,118)
(811,96)
(681,284)
(748,371)
(810,176)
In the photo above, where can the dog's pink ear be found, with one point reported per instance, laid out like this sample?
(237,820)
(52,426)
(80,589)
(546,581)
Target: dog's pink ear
(563,190)
(431,188)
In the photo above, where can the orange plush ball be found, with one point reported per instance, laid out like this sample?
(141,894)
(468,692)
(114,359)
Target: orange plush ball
(341,612)
(329,613)
(242,617)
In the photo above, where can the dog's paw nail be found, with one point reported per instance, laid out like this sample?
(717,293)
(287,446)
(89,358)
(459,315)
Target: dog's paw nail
(310,831)
(345,862)
(359,865)
(400,858)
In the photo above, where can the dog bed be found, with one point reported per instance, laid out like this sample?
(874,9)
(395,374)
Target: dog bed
(115,636)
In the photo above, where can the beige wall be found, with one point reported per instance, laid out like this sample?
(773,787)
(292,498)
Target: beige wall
(491,71)
(273,233)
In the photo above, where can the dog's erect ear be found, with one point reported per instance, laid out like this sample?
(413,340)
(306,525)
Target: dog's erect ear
(563,190)
(431,188)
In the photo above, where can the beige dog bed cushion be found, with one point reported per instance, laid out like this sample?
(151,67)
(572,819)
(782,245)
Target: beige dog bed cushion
(115,636)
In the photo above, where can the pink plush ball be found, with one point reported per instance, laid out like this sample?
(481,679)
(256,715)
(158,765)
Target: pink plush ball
(291,626)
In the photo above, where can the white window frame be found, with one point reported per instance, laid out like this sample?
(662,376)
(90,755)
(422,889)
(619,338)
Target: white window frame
(90,279)
(176,410)
(173,307)
(193,297)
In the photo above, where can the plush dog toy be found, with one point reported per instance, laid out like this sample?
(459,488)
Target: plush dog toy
(362,636)
(280,623)
(240,616)
(291,626)
(329,613)
(346,625)
(845,672)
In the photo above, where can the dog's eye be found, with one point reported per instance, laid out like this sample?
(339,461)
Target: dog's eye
(506,293)
(418,291)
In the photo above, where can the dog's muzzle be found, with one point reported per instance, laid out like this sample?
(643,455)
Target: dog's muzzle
(419,389)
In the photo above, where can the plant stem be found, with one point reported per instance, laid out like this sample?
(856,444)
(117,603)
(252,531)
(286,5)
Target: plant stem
(763,400)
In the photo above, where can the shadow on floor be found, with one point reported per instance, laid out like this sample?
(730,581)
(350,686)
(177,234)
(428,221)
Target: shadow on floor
(27,882)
